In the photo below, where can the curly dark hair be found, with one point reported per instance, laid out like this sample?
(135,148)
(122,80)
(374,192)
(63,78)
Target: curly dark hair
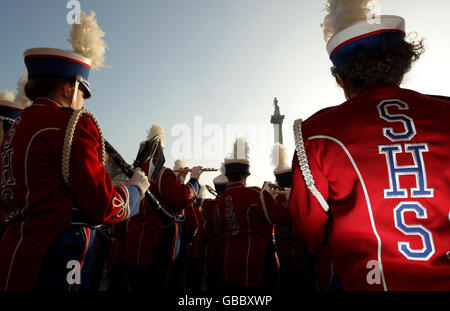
(386,65)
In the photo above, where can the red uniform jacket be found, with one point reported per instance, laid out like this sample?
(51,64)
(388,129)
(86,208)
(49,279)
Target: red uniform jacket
(248,215)
(290,248)
(212,229)
(37,205)
(380,161)
(144,229)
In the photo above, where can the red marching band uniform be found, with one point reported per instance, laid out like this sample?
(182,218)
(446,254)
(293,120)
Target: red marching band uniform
(378,196)
(54,185)
(9,111)
(248,215)
(147,239)
(213,234)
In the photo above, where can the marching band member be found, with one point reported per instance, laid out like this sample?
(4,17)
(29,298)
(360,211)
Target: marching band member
(248,215)
(212,229)
(290,247)
(151,248)
(188,229)
(371,176)
(9,111)
(54,183)
(12,105)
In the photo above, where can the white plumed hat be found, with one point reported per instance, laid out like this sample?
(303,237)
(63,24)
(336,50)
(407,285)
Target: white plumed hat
(88,52)
(238,161)
(351,27)
(8,110)
(179,164)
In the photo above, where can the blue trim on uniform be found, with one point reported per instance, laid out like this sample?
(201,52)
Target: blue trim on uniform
(38,65)
(284,178)
(135,200)
(237,168)
(88,262)
(195,184)
(9,112)
(68,245)
(369,43)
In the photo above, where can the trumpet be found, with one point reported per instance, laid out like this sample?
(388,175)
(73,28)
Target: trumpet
(211,190)
(274,189)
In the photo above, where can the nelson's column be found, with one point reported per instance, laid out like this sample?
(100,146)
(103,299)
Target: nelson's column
(277,121)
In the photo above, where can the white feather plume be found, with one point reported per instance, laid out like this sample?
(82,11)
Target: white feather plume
(87,39)
(6,96)
(21,100)
(222,168)
(157,130)
(343,13)
(279,158)
(179,164)
(241,149)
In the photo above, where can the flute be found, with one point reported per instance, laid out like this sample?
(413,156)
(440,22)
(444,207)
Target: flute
(207,169)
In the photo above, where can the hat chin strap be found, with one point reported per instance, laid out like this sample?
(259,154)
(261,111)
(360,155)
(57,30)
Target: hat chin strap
(75,93)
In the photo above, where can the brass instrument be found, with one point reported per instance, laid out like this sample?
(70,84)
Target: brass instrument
(211,190)
(274,189)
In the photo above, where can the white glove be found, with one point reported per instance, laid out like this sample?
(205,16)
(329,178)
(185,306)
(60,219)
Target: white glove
(196,172)
(140,180)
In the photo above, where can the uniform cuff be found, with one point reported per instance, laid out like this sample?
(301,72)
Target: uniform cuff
(135,200)
(195,185)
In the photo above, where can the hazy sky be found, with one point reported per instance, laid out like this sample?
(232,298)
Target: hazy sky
(201,68)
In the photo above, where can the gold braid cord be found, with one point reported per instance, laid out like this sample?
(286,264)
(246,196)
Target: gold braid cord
(68,139)
(304,165)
